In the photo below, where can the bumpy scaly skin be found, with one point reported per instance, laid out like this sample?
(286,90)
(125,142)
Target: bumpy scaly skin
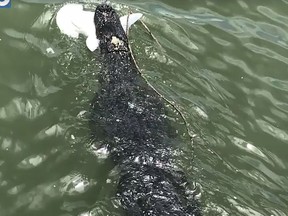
(132,116)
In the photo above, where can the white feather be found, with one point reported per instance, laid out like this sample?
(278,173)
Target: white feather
(131,20)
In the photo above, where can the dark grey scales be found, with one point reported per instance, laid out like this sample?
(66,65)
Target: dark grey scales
(132,117)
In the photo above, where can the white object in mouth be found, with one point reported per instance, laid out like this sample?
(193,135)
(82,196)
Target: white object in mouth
(72,20)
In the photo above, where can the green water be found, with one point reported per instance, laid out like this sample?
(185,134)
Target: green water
(223,62)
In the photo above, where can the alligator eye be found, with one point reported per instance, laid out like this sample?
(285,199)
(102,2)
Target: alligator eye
(108,7)
(104,8)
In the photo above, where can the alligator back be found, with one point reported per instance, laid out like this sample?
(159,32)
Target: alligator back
(133,119)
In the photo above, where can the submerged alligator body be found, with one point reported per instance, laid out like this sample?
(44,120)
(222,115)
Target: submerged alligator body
(132,117)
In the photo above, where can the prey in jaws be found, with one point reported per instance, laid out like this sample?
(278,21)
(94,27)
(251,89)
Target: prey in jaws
(73,20)
(132,117)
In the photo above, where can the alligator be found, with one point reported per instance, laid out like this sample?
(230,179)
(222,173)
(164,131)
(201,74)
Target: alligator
(133,119)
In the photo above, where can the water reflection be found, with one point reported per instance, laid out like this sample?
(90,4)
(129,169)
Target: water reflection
(224,65)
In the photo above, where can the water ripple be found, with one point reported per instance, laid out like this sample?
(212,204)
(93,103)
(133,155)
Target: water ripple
(225,66)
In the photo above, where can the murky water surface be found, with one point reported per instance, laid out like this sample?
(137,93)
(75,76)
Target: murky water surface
(224,63)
